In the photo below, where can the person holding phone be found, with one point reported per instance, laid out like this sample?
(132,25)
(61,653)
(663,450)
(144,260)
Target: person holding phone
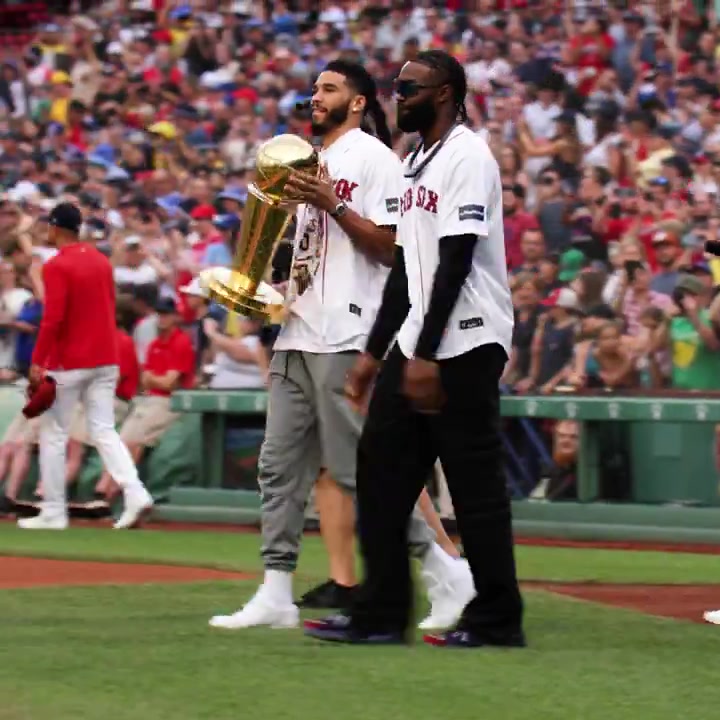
(666,245)
(636,295)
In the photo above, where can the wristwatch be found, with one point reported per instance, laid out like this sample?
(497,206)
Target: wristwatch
(339,211)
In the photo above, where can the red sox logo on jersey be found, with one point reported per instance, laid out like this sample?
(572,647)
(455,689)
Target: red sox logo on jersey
(344,189)
(422,198)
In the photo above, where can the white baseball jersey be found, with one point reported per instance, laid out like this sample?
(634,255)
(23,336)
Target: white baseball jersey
(337,310)
(458,193)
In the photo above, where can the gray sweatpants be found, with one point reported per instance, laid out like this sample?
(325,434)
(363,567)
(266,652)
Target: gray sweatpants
(310,425)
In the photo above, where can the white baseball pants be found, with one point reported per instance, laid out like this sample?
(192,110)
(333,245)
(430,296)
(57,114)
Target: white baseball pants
(95,388)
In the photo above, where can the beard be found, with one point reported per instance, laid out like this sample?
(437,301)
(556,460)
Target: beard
(334,118)
(564,457)
(416,119)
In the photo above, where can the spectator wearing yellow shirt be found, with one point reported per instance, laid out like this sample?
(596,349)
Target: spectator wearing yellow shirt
(50,43)
(61,95)
(179,29)
(164,134)
(660,149)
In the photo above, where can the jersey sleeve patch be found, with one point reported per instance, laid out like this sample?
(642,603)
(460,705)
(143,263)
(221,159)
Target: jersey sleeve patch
(471,212)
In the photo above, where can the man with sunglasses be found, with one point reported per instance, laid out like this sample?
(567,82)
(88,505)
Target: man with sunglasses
(437,393)
(344,241)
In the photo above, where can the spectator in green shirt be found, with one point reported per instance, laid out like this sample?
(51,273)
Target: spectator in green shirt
(693,338)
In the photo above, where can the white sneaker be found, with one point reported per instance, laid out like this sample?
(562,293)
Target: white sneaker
(44,522)
(138,503)
(448,596)
(712,616)
(259,611)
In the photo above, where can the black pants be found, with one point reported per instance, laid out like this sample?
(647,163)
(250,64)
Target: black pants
(397,450)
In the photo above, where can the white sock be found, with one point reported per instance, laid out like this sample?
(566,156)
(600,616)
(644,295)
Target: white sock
(438,563)
(278,585)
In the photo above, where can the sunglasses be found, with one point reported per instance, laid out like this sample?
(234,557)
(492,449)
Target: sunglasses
(409,88)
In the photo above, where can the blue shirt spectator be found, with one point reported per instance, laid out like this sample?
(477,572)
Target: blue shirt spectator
(27,323)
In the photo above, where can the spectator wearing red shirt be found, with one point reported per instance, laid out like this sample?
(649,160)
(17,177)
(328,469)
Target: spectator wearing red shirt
(516,221)
(77,345)
(203,216)
(532,247)
(169,366)
(590,52)
(76,125)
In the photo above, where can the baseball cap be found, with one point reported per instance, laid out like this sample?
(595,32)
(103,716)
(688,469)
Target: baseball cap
(66,216)
(663,236)
(97,160)
(239,196)
(164,129)
(40,398)
(227,221)
(678,162)
(181,12)
(170,203)
(690,284)
(96,228)
(562,298)
(203,212)
(571,263)
(60,77)
(566,116)
(701,267)
(603,311)
(165,306)
(117,174)
(194,288)
(105,151)
(186,111)
(672,226)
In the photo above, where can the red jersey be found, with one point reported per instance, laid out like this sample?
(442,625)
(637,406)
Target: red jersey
(78,325)
(129,379)
(515,225)
(174,352)
(592,54)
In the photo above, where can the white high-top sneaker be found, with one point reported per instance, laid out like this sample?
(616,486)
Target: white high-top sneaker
(138,503)
(449,592)
(44,522)
(261,610)
(712,616)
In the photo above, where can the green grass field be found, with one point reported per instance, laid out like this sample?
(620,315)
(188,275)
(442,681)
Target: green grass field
(145,651)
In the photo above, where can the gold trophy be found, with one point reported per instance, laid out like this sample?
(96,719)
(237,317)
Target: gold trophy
(264,221)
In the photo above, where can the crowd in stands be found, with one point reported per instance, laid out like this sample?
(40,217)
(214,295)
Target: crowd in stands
(604,116)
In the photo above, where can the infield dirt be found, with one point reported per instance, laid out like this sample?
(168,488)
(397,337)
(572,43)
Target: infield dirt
(681,602)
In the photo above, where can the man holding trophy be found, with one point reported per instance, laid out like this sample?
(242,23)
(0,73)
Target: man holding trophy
(349,204)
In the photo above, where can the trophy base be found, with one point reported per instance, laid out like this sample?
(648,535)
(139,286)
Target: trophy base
(222,286)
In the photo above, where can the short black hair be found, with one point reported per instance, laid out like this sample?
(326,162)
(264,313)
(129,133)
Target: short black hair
(363,83)
(125,317)
(452,72)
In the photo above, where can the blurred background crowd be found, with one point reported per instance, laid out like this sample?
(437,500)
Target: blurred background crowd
(604,116)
